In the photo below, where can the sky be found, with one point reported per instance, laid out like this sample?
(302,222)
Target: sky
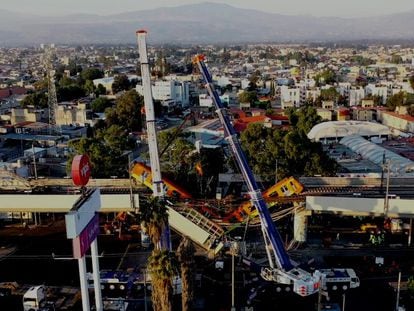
(342,8)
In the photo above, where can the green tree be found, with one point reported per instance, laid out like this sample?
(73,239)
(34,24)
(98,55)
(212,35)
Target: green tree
(100,90)
(127,112)
(294,152)
(162,264)
(411,80)
(37,99)
(329,94)
(66,81)
(395,101)
(89,87)
(326,77)
(307,118)
(100,104)
(185,254)
(71,92)
(248,97)
(105,150)
(121,83)
(91,74)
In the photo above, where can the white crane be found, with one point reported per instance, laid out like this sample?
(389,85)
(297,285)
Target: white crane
(158,185)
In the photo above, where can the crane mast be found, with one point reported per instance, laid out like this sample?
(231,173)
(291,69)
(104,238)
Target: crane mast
(158,188)
(157,183)
(281,268)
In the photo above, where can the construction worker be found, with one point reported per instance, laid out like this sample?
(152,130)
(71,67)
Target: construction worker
(372,238)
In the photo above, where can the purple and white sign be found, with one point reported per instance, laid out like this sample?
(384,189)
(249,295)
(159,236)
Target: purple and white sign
(83,241)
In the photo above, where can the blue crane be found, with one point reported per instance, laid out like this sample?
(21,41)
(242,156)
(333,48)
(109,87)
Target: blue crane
(281,269)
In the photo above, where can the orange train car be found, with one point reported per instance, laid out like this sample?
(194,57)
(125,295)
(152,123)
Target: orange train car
(142,173)
(287,187)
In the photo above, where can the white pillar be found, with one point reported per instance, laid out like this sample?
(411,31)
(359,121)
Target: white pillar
(300,225)
(83,284)
(96,277)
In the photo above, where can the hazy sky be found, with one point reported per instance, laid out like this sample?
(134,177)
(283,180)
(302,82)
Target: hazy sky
(348,8)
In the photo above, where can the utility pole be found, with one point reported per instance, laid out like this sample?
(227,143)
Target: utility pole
(34,161)
(386,201)
(276,173)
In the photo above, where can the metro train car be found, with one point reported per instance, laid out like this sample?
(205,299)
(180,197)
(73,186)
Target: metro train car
(287,187)
(142,174)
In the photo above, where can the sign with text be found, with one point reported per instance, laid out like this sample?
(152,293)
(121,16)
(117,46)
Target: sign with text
(82,212)
(82,242)
(81,170)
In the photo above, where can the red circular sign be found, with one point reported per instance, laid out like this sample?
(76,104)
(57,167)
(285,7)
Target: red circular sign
(81,170)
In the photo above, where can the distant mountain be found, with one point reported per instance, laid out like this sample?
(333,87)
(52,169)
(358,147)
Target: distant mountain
(199,23)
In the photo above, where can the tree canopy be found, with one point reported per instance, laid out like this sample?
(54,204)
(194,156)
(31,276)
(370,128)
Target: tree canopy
(100,104)
(121,83)
(127,112)
(293,151)
(91,74)
(248,97)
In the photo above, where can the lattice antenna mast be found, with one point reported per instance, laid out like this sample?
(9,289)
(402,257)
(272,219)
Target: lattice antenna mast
(51,88)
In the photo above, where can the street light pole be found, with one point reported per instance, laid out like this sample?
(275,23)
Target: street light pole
(343,302)
(232,283)
(397,303)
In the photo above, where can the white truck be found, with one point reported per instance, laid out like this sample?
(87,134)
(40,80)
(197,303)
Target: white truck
(34,298)
(336,279)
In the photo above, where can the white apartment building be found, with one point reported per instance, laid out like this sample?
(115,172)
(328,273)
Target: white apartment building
(178,91)
(379,90)
(355,96)
(206,101)
(306,94)
(290,94)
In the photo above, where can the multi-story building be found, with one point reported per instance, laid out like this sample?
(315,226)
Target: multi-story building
(290,94)
(377,90)
(404,123)
(74,114)
(355,95)
(178,91)
(19,115)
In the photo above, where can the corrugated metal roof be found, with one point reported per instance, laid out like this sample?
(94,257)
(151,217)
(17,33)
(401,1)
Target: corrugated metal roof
(375,153)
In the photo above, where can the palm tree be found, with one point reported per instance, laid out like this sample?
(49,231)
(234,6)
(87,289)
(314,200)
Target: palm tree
(162,266)
(154,218)
(185,253)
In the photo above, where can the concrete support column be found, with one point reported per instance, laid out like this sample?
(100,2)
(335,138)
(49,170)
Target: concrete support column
(300,225)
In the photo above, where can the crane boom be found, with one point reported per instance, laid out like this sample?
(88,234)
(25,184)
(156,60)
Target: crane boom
(158,185)
(281,268)
(271,235)
(158,188)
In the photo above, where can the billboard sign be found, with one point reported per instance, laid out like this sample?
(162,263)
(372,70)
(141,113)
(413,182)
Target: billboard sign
(82,212)
(83,241)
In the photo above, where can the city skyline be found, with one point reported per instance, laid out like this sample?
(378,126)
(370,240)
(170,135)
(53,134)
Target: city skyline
(350,8)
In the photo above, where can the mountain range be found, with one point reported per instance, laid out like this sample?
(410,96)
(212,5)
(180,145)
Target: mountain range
(199,23)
